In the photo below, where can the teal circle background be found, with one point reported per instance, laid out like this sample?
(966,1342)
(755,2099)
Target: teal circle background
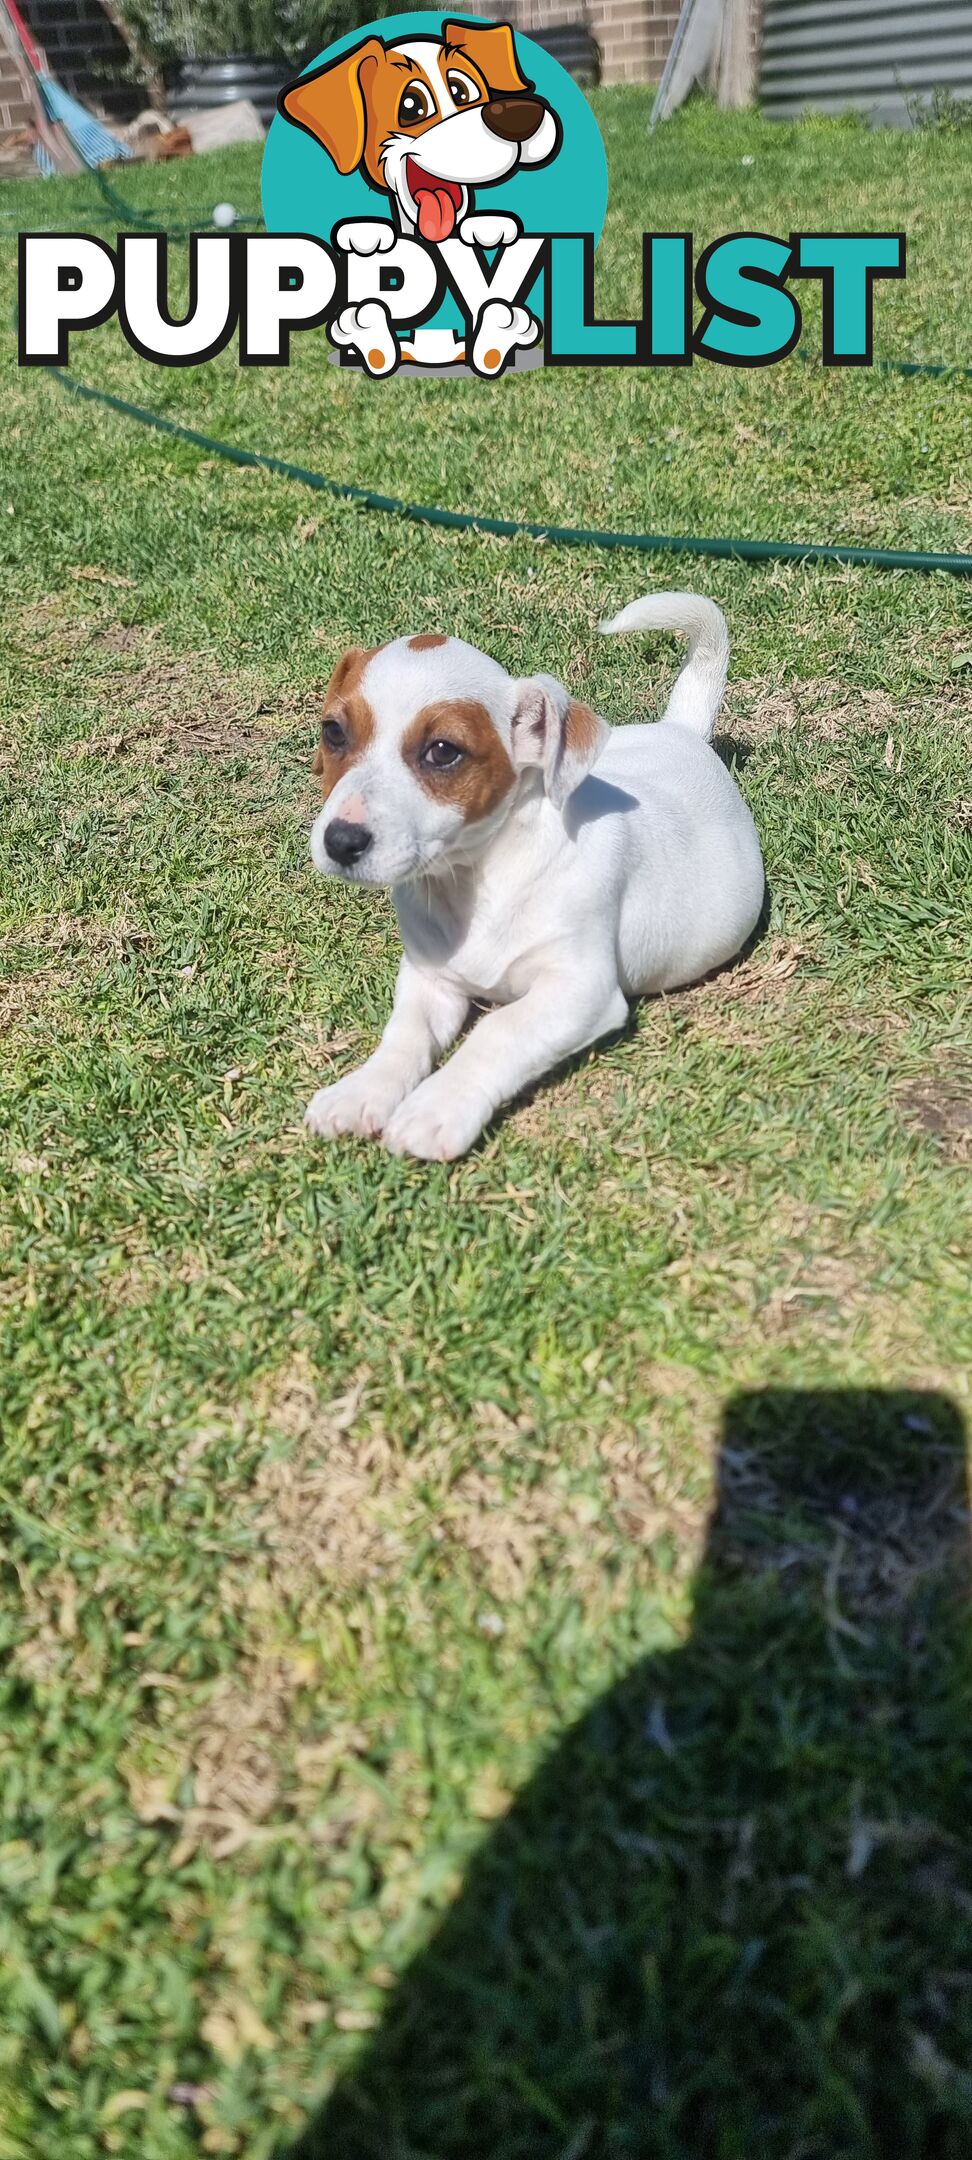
(303,191)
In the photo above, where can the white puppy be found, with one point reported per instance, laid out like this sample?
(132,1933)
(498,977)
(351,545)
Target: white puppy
(539,861)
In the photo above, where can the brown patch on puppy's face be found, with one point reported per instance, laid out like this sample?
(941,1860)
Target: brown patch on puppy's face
(477,775)
(348,724)
(427,641)
(403,100)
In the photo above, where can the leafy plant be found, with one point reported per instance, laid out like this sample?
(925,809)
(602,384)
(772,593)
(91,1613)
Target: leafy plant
(941,110)
(168,31)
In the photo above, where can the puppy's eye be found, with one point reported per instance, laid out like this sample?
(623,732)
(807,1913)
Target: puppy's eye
(461,90)
(442,754)
(415,104)
(332,735)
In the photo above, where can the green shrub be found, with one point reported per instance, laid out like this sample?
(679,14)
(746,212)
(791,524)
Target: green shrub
(941,110)
(167,31)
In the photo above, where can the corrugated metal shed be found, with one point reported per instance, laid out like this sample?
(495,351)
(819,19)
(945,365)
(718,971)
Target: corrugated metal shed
(836,55)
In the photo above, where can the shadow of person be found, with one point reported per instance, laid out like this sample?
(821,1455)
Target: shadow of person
(731,1915)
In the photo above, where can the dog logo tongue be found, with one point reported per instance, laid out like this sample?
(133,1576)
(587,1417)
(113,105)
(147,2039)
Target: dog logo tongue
(436,213)
(436,202)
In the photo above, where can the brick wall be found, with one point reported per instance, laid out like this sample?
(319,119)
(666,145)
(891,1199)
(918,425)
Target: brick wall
(634,37)
(14,109)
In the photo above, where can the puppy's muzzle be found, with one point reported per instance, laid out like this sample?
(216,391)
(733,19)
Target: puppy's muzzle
(345,842)
(513,119)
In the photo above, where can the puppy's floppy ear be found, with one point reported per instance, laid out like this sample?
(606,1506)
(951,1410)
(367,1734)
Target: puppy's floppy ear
(344,679)
(351,664)
(555,733)
(492,50)
(331,103)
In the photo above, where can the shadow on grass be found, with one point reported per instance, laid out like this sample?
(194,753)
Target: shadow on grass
(734,750)
(731,1915)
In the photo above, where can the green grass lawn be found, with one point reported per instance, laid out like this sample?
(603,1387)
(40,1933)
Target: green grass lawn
(347,1500)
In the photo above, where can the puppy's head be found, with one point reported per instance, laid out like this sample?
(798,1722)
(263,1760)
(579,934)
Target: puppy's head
(426,744)
(428,118)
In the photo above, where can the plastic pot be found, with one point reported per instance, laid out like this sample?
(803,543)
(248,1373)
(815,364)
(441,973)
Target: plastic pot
(200,84)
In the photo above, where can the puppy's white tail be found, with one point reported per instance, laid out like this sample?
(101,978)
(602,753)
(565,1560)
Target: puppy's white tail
(698,690)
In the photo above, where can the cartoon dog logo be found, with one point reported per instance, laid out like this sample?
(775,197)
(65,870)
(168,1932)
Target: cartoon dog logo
(427,120)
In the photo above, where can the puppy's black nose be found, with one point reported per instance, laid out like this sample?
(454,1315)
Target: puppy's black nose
(513,118)
(345,842)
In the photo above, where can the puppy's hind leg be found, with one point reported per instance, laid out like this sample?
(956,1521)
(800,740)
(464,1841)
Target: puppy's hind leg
(502,330)
(507,1050)
(367,329)
(426,1018)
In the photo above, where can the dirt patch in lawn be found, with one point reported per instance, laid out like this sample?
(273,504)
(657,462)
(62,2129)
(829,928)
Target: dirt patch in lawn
(939,1104)
(159,705)
(173,707)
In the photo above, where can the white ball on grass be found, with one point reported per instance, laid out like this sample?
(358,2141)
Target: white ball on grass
(224,214)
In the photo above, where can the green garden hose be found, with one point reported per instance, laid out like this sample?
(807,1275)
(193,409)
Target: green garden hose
(511,528)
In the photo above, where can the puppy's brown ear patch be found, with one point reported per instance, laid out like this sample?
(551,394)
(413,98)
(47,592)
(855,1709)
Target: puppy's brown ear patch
(427,641)
(491,50)
(331,104)
(583,732)
(349,671)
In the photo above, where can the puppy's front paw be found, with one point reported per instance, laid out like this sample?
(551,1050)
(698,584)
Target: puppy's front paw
(359,1104)
(436,1122)
(365,236)
(489,229)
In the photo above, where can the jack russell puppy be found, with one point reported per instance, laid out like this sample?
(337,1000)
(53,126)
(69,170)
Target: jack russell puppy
(539,861)
(426,120)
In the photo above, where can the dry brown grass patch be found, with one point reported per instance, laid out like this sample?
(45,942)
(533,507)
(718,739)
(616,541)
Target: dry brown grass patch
(757,708)
(167,704)
(183,705)
(939,1104)
(740,1002)
(346,1506)
(28,996)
